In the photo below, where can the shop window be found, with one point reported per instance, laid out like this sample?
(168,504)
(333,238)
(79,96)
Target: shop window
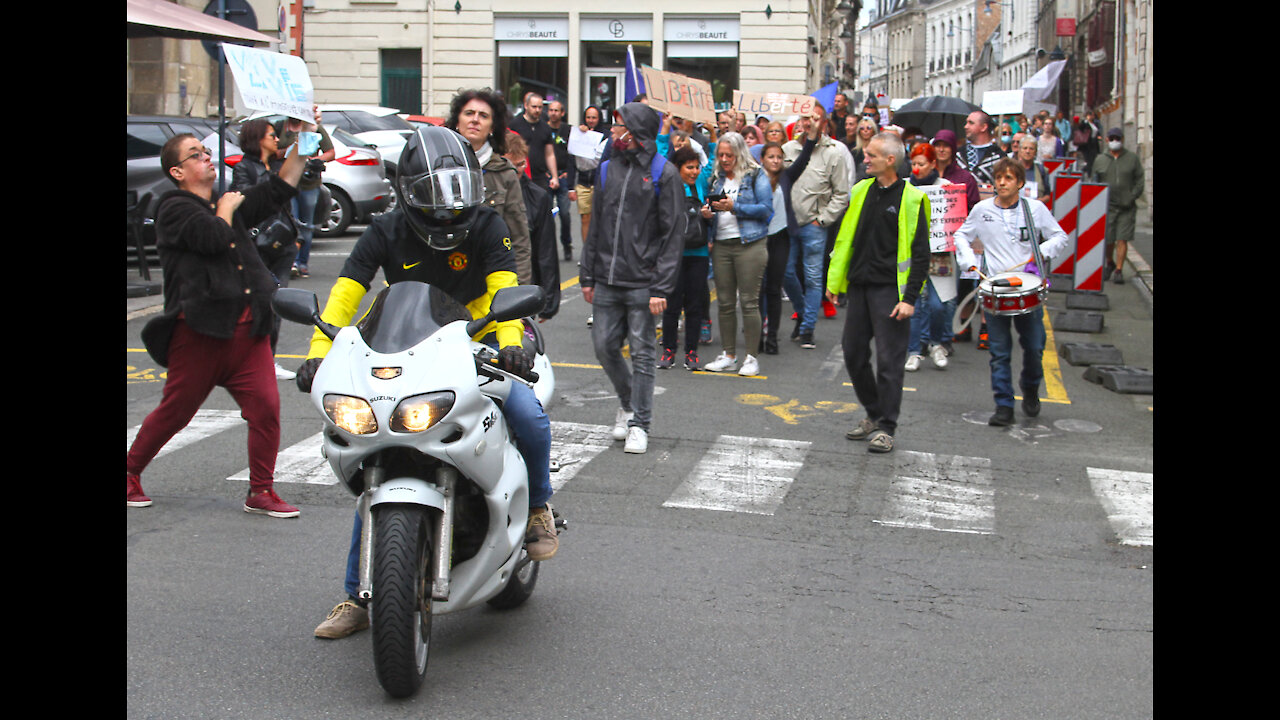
(720,72)
(547,76)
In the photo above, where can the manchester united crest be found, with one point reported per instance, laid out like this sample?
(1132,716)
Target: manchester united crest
(457,261)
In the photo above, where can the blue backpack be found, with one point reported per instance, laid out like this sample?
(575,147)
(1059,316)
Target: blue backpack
(655,172)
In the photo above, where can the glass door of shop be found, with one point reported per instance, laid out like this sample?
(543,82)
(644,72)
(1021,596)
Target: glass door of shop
(603,89)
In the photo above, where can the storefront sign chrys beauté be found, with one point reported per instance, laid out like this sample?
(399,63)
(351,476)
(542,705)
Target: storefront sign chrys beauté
(775,104)
(679,95)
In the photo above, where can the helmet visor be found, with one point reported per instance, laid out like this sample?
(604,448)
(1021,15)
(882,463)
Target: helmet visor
(448,190)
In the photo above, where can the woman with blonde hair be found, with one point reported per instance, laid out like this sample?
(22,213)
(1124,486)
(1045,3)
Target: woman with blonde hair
(739,208)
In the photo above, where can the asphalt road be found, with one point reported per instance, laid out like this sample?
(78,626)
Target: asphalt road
(973,572)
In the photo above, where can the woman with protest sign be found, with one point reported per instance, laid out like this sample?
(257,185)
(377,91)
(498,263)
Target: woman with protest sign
(931,323)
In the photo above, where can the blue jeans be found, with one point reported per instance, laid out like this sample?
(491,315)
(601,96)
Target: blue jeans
(531,429)
(622,314)
(1031,337)
(304,210)
(806,252)
(932,322)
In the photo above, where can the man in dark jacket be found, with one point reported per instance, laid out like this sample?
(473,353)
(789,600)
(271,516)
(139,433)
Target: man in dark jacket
(217,298)
(630,262)
(537,205)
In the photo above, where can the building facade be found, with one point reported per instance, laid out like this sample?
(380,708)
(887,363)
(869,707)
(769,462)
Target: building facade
(949,46)
(575,52)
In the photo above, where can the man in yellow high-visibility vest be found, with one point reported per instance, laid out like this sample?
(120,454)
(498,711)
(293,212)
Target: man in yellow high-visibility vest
(880,262)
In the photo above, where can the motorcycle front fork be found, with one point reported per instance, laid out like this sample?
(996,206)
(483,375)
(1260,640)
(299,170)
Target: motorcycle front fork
(446,481)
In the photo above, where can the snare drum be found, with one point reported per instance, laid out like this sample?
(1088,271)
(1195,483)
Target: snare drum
(1004,300)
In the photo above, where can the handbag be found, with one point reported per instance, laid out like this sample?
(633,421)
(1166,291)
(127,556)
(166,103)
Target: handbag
(275,237)
(156,335)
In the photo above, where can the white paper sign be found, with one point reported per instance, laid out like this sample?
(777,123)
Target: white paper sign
(271,81)
(589,144)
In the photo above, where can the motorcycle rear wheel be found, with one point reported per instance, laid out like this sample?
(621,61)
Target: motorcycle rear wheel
(401,605)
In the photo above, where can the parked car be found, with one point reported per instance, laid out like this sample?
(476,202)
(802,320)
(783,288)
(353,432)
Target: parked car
(355,179)
(145,180)
(381,127)
(423,120)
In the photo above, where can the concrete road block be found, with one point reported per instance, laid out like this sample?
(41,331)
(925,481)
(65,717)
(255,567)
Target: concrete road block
(1090,354)
(1087,301)
(1077,321)
(1122,378)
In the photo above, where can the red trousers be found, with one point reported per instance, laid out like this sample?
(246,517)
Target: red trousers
(198,363)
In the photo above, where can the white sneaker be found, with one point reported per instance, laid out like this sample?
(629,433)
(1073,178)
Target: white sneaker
(913,362)
(282,374)
(721,364)
(590,319)
(939,356)
(637,440)
(750,366)
(620,424)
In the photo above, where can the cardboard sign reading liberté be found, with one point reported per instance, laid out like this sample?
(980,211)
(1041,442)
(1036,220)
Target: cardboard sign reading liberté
(775,104)
(679,95)
(948,208)
(271,81)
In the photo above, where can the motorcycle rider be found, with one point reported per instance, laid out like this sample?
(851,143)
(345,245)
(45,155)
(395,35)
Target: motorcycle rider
(441,233)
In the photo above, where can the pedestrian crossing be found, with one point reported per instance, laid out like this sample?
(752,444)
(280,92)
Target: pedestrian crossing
(927,491)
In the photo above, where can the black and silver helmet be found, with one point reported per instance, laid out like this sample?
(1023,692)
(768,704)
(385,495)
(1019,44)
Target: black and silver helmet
(440,185)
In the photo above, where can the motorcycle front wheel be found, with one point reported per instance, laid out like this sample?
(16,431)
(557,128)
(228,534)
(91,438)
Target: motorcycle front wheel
(401,605)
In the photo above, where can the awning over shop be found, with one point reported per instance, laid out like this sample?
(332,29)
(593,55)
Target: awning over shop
(158,18)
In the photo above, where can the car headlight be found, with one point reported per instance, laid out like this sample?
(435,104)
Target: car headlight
(352,414)
(420,412)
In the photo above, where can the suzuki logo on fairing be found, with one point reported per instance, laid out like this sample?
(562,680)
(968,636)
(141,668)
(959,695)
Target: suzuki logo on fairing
(376,398)
(489,421)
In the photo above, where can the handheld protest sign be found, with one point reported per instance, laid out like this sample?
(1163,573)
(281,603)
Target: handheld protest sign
(270,81)
(680,95)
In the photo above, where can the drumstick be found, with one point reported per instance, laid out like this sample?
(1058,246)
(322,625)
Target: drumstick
(1001,282)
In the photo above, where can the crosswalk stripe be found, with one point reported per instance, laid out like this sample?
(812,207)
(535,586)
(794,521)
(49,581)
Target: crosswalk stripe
(949,493)
(573,445)
(1129,501)
(301,462)
(741,474)
(204,424)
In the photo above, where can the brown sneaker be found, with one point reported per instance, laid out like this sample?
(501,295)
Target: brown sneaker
(344,619)
(862,430)
(540,539)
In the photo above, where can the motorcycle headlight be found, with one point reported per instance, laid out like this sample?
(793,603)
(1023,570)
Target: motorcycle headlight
(420,412)
(352,414)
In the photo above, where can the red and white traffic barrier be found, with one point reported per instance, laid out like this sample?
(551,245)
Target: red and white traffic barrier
(1091,237)
(1066,206)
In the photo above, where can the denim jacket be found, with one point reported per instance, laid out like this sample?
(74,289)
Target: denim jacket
(753,207)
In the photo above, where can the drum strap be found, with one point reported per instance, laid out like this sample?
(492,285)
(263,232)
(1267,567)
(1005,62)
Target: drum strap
(1035,240)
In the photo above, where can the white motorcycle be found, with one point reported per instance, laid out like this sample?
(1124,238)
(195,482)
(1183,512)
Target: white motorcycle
(413,428)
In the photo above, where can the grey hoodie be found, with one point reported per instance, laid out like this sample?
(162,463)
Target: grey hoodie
(632,241)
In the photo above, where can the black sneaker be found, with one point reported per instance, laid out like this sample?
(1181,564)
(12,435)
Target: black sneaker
(1003,416)
(806,341)
(1031,401)
(691,360)
(668,359)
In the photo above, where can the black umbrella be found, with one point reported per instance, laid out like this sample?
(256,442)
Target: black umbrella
(934,113)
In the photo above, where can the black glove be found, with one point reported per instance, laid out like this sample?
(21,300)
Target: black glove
(307,373)
(513,359)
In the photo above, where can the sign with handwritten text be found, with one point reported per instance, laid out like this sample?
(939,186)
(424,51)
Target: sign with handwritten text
(271,81)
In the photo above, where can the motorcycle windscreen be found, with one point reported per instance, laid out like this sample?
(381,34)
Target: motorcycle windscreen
(406,313)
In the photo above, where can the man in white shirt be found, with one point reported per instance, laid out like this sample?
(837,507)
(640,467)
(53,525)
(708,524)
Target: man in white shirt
(999,224)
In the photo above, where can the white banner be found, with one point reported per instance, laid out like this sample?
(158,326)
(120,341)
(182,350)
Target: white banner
(271,81)
(589,144)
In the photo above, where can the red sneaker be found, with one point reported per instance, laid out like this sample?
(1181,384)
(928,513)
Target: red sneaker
(269,503)
(133,496)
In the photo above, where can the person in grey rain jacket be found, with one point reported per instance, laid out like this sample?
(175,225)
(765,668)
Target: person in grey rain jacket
(630,262)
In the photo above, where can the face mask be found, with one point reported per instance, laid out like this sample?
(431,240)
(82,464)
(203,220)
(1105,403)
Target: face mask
(1005,138)
(1114,144)
(622,143)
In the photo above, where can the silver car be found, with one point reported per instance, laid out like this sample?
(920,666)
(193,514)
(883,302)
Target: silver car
(355,180)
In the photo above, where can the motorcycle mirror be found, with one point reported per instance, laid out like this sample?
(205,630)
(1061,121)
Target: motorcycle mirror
(511,303)
(301,306)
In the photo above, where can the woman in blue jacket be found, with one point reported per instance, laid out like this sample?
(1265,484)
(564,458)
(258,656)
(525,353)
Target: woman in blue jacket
(739,208)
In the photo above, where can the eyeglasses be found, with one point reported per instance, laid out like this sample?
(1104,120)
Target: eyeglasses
(198,153)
